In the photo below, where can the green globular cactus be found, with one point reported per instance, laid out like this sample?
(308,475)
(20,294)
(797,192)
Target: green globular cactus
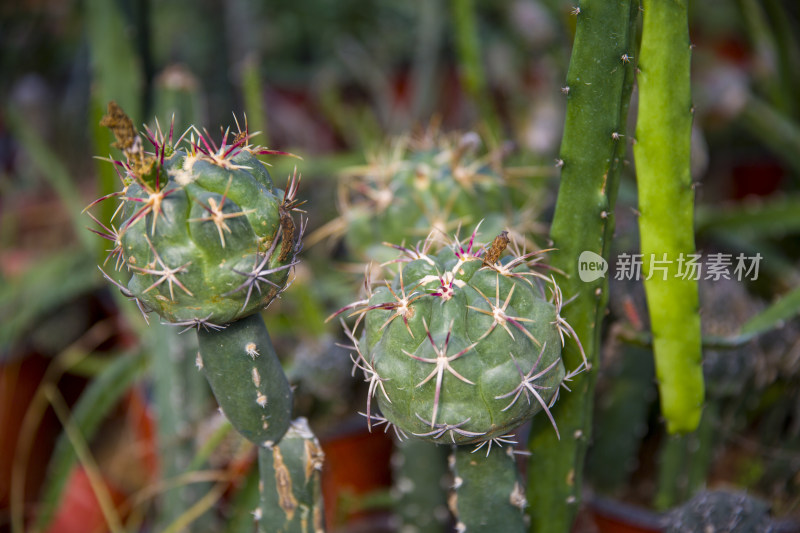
(460,346)
(292,502)
(200,227)
(434,181)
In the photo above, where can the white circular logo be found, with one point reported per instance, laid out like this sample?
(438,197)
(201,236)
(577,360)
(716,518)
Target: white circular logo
(591,266)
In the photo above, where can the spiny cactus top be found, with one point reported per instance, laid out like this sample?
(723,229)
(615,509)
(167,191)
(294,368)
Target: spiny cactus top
(460,346)
(433,181)
(204,232)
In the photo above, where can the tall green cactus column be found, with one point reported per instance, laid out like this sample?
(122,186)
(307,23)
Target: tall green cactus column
(666,205)
(598,91)
(209,241)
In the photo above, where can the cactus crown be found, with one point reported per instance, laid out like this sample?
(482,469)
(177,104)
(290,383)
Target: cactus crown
(461,343)
(207,237)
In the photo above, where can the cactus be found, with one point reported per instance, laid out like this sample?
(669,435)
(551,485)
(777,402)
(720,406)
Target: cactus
(460,347)
(419,474)
(488,495)
(720,511)
(292,502)
(593,147)
(666,205)
(201,228)
(247,379)
(209,242)
(433,181)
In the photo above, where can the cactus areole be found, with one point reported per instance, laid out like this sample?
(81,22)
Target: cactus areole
(462,345)
(209,242)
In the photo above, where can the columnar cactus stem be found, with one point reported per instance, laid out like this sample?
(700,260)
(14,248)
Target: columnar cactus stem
(290,487)
(419,471)
(488,494)
(598,91)
(247,379)
(666,206)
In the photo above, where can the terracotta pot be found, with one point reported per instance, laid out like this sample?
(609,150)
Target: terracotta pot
(356,464)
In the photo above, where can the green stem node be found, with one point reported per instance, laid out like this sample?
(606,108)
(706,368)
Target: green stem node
(247,379)
(290,486)
(488,495)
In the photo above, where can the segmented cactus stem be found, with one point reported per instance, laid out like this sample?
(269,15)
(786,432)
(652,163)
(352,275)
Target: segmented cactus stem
(419,471)
(290,486)
(247,379)
(488,494)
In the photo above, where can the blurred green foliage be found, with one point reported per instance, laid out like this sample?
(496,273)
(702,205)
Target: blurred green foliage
(329,80)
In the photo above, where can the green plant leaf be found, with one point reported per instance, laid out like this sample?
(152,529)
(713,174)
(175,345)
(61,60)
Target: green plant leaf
(97,400)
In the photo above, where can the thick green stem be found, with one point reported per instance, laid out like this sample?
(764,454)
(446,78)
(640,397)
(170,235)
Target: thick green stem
(666,206)
(247,379)
(290,486)
(488,493)
(598,88)
(419,471)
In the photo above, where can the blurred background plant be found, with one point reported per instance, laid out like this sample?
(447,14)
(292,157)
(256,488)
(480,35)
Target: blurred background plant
(94,400)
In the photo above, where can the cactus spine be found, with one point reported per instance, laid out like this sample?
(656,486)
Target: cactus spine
(209,242)
(666,204)
(598,88)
